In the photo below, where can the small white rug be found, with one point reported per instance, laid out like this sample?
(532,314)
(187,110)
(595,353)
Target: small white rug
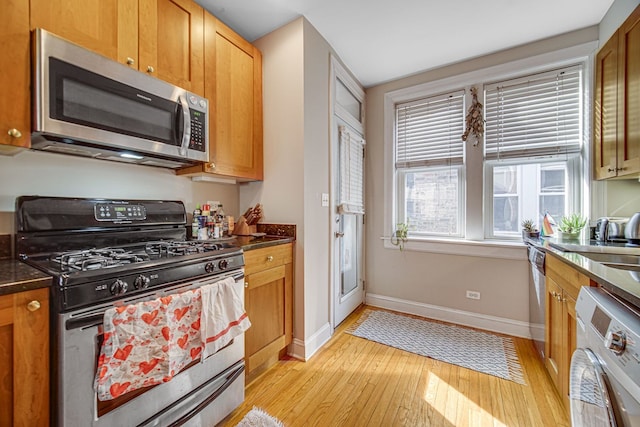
(259,418)
(481,351)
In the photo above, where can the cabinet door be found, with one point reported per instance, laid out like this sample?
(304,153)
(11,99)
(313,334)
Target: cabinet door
(236,133)
(24,358)
(265,303)
(554,331)
(605,110)
(629,95)
(15,106)
(171,42)
(107,27)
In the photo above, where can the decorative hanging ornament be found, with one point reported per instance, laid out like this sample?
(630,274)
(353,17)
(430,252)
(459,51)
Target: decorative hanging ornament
(474,120)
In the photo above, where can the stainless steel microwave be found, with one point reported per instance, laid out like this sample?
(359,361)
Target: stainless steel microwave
(88,105)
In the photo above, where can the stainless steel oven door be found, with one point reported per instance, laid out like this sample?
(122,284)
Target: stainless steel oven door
(202,394)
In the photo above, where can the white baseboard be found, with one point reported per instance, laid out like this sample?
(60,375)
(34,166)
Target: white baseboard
(303,350)
(445,314)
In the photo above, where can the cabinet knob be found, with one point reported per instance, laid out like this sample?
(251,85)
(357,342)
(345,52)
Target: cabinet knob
(211,165)
(14,133)
(33,305)
(611,170)
(270,258)
(246,284)
(150,69)
(130,61)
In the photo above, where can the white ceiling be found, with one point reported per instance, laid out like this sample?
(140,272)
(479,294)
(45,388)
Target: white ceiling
(382,40)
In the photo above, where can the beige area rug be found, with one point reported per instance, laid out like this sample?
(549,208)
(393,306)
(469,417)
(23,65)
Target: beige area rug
(480,351)
(259,418)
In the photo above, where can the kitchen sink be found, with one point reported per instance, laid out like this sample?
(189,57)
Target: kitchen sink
(611,260)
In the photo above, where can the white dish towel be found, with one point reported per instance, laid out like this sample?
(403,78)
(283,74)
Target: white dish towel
(223,316)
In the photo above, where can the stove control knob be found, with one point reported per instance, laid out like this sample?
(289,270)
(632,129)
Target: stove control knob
(223,264)
(118,287)
(209,267)
(141,282)
(616,341)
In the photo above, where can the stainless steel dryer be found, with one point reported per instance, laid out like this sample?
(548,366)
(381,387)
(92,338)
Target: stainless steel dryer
(605,368)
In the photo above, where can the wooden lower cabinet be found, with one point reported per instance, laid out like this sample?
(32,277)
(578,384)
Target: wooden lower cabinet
(24,358)
(268,302)
(563,284)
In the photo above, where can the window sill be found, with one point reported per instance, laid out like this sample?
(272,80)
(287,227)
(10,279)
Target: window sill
(486,248)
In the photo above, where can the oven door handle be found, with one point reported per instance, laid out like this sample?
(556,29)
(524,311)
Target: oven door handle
(157,419)
(83,322)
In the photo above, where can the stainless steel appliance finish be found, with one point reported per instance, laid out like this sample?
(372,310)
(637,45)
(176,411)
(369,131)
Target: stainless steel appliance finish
(632,231)
(537,297)
(88,105)
(605,368)
(104,253)
(610,229)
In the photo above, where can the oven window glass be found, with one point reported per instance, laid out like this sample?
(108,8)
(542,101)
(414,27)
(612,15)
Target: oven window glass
(85,98)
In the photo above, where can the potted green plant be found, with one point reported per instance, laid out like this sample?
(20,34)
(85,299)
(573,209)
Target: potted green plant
(529,230)
(400,234)
(571,226)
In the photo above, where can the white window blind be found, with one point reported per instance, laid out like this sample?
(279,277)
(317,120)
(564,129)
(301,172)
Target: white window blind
(535,116)
(351,172)
(428,131)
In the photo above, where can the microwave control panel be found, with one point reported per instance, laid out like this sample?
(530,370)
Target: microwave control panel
(198,137)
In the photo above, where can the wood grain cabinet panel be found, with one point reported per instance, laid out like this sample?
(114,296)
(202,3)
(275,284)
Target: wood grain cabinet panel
(24,358)
(172,43)
(268,302)
(15,77)
(563,284)
(233,84)
(107,27)
(617,103)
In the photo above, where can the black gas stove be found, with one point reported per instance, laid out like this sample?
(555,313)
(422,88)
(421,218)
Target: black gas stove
(100,250)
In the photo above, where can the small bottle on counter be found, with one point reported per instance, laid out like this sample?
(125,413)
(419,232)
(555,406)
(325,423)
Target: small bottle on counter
(195,226)
(221,219)
(197,211)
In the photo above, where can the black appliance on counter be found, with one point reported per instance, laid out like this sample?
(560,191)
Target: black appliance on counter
(102,253)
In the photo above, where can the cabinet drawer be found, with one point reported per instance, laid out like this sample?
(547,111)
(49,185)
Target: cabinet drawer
(566,276)
(267,258)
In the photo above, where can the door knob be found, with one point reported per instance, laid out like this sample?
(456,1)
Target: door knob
(33,305)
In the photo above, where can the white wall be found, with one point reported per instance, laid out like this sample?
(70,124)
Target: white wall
(616,15)
(296,65)
(436,284)
(48,174)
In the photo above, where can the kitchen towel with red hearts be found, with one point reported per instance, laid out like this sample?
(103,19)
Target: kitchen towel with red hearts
(148,343)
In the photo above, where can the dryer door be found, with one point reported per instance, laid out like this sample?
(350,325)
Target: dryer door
(590,397)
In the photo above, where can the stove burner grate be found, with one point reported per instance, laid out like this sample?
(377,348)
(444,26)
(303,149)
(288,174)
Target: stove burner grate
(94,259)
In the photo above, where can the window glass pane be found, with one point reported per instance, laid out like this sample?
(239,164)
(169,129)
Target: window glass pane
(505,214)
(432,201)
(345,98)
(552,180)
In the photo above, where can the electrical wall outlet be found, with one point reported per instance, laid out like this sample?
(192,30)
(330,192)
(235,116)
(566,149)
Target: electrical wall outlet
(473,294)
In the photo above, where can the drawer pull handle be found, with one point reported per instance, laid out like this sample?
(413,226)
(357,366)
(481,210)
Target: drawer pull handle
(270,258)
(33,306)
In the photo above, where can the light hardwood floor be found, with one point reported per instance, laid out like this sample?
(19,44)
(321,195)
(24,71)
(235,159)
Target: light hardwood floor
(355,382)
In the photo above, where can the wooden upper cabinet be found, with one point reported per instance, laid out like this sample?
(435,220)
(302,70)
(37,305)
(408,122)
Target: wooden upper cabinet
(233,85)
(171,42)
(605,110)
(617,103)
(107,27)
(629,96)
(15,77)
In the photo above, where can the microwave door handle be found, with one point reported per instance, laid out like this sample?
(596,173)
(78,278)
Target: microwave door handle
(184,123)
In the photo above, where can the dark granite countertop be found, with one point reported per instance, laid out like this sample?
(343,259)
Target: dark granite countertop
(623,283)
(256,242)
(16,276)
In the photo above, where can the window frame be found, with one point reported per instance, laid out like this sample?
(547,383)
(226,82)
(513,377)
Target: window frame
(474,164)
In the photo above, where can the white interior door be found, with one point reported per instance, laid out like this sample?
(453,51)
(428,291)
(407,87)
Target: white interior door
(348,189)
